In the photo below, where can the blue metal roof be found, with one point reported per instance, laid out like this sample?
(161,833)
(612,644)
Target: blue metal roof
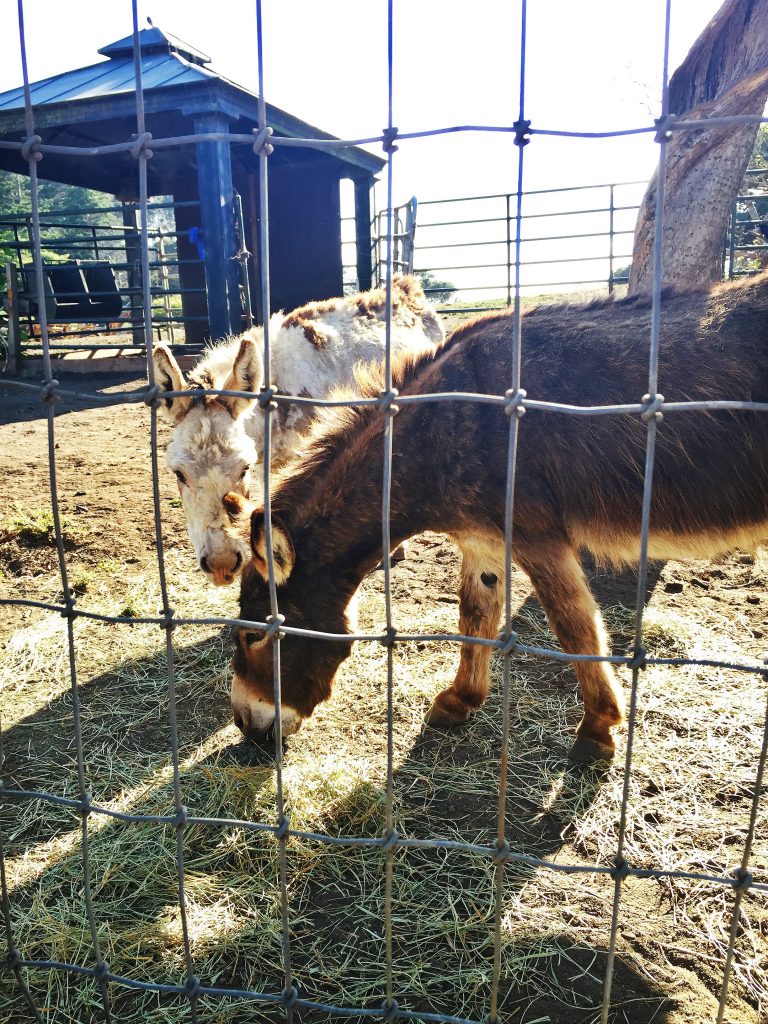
(154,38)
(165,61)
(107,79)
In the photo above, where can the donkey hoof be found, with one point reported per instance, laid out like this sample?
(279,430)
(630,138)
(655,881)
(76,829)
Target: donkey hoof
(400,553)
(587,751)
(446,712)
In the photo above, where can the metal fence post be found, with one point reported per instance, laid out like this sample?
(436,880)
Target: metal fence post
(610,239)
(508,199)
(14,331)
(732,243)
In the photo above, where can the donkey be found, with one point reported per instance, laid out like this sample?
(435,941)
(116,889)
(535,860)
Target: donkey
(579,486)
(217,440)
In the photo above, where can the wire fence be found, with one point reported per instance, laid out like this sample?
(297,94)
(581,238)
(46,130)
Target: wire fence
(515,401)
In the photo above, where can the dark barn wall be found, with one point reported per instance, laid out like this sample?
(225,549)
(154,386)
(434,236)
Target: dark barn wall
(304,235)
(192,275)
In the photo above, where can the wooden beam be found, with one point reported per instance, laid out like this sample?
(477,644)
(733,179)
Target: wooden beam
(14,330)
(363,238)
(214,176)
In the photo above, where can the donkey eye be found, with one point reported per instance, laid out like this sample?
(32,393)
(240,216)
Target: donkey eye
(242,475)
(179,476)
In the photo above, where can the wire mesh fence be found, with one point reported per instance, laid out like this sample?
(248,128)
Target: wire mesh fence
(515,402)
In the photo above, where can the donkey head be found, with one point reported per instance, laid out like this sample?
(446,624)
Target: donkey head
(310,599)
(211,454)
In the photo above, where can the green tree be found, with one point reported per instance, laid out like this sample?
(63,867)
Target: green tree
(438,292)
(16,204)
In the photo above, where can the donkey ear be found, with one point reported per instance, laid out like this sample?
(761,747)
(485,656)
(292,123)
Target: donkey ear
(282,547)
(247,374)
(168,377)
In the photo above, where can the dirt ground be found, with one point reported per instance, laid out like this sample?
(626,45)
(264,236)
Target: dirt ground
(104,480)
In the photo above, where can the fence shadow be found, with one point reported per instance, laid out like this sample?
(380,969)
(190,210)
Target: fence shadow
(18,405)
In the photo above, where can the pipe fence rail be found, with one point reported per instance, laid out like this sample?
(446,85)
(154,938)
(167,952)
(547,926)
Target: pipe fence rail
(92,277)
(650,408)
(600,218)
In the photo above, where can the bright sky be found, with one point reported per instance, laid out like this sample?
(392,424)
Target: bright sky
(591,65)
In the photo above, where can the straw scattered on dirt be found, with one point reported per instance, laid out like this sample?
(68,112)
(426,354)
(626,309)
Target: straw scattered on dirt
(698,736)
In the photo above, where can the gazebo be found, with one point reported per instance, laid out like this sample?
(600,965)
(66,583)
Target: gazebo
(95,106)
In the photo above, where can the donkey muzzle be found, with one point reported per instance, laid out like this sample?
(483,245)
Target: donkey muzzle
(222,570)
(256,718)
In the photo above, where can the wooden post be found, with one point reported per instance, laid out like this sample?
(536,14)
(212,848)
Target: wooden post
(14,332)
(133,259)
(363,232)
(214,176)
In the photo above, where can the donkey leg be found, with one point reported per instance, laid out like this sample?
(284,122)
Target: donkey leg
(559,581)
(480,599)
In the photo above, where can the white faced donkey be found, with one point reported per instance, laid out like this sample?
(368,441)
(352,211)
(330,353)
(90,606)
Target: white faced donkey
(217,441)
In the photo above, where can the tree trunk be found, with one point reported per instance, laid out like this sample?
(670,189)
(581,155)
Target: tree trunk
(726,72)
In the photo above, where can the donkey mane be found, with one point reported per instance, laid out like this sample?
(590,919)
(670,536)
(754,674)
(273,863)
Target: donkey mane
(337,436)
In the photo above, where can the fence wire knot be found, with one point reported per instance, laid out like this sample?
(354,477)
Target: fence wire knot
(509,642)
(638,659)
(620,870)
(192,987)
(167,621)
(181,818)
(266,396)
(387,400)
(48,391)
(273,630)
(503,853)
(391,841)
(242,255)
(13,961)
(151,395)
(283,828)
(653,411)
(743,880)
(388,140)
(290,996)
(29,150)
(663,126)
(513,406)
(261,143)
(522,131)
(69,611)
(140,147)
(391,1009)
(388,640)
(101,970)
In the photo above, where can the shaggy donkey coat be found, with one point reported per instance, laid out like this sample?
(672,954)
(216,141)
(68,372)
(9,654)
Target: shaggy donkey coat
(217,440)
(579,486)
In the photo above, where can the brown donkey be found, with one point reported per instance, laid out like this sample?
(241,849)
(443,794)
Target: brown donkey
(579,486)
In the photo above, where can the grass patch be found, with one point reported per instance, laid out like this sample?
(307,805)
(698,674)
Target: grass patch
(131,609)
(110,566)
(36,527)
(81,581)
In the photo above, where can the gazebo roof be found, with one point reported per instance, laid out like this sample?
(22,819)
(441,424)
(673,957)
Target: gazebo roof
(175,76)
